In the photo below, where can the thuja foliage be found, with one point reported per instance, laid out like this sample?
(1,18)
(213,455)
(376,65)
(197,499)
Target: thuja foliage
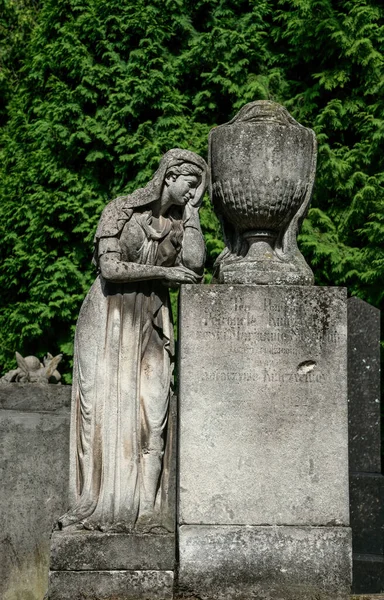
(95,91)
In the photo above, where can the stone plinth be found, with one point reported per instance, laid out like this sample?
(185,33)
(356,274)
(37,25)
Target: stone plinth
(84,551)
(268,563)
(111,585)
(34,440)
(264,438)
(111,565)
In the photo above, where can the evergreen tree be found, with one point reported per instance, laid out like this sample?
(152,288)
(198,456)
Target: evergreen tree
(97,90)
(333,63)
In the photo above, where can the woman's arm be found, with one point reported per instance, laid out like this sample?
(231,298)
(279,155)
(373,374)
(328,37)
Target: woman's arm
(193,251)
(117,271)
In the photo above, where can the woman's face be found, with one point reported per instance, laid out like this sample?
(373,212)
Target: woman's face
(182,188)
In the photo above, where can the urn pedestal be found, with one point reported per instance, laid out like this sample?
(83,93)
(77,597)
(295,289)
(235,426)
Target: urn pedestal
(263,465)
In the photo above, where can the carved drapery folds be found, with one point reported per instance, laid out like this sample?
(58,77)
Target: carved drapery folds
(121,436)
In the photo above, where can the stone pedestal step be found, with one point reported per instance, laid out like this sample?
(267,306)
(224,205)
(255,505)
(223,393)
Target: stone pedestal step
(368,597)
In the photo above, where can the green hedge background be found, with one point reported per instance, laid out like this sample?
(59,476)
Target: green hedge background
(93,92)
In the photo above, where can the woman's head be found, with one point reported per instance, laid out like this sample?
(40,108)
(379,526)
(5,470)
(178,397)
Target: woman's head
(174,167)
(185,168)
(180,184)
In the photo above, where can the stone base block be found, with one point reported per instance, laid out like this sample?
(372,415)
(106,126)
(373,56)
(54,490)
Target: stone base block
(368,574)
(265,268)
(264,562)
(96,551)
(110,585)
(364,387)
(368,597)
(366,493)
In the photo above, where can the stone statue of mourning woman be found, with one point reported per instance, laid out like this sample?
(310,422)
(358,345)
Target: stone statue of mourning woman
(124,351)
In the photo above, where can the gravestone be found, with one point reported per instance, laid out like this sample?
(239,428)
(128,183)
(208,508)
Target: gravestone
(263,465)
(34,439)
(263,443)
(366,480)
(263,509)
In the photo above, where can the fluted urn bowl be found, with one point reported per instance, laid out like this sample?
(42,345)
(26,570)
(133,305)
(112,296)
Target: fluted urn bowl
(262,168)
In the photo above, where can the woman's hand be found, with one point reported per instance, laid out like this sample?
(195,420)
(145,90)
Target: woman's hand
(180,275)
(190,212)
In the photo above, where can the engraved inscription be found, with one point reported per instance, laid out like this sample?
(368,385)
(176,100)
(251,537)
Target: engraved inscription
(276,376)
(270,328)
(240,334)
(235,376)
(267,375)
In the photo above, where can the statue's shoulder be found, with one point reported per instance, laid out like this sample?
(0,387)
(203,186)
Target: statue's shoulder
(115,207)
(115,214)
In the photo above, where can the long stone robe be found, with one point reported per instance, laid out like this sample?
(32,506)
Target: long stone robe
(122,379)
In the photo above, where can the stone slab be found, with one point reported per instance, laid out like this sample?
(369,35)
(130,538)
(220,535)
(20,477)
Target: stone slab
(34,397)
(263,405)
(34,448)
(368,574)
(364,386)
(97,551)
(367,513)
(110,585)
(264,563)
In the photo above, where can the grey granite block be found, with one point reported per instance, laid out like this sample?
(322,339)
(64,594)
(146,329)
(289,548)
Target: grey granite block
(368,574)
(367,597)
(264,563)
(97,551)
(263,405)
(34,440)
(364,386)
(367,513)
(110,585)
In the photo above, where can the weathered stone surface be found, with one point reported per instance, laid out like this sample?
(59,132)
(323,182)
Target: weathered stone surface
(34,439)
(121,458)
(366,481)
(34,397)
(97,551)
(110,585)
(31,370)
(368,574)
(264,563)
(364,386)
(367,512)
(263,405)
(262,172)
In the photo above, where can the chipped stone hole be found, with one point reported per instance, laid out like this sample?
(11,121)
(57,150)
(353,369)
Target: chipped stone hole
(306,367)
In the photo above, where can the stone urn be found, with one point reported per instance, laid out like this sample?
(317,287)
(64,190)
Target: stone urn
(263,167)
